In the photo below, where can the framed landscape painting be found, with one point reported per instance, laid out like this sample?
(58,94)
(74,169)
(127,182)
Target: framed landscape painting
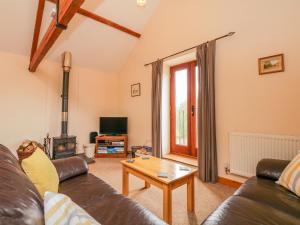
(271,64)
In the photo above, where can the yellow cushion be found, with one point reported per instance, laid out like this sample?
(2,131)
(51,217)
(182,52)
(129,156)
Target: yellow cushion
(41,171)
(290,177)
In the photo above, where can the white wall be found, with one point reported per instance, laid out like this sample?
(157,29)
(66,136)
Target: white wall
(245,101)
(31,103)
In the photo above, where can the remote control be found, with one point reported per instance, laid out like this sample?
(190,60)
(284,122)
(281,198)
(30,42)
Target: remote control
(162,174)
(184,168)
(130,160)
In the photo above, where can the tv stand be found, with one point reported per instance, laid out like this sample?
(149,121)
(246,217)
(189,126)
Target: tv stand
(111,146)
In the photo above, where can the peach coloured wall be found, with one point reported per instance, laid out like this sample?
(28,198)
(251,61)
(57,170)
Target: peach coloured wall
(31,103)
(245,101)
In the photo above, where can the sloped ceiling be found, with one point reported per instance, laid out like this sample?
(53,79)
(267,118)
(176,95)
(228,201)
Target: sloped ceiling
(93,45)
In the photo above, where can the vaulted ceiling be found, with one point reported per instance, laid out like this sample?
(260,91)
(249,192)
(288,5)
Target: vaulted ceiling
(92,44)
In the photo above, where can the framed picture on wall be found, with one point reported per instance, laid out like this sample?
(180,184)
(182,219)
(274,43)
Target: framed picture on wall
(271,64)
(135,90)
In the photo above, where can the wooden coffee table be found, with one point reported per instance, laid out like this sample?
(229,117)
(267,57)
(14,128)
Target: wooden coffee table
(148,169)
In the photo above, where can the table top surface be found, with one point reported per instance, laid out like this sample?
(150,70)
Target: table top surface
(153,166)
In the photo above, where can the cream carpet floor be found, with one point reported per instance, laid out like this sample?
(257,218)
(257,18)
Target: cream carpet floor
(207,196)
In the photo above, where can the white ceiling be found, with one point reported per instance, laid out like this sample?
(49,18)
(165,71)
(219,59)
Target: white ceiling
(92,44)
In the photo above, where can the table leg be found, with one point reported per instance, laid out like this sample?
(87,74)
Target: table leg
(147,185)
(190,194)
(125,183)
(167,204)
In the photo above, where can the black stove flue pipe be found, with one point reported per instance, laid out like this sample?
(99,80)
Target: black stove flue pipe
(67,60)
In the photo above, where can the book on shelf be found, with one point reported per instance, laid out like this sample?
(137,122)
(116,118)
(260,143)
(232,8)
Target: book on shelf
(110,144)
(116,147)
(102,151)
(110,150)
(117,142)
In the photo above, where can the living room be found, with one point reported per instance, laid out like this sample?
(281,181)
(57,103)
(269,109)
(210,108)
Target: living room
(254,108)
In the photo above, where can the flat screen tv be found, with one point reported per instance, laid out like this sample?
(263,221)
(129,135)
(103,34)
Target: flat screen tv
(113,125)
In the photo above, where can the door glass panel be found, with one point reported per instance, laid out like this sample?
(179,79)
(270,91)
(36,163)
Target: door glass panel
(196,108)
(181,100)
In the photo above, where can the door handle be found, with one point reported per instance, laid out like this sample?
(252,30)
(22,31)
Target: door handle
(193,110)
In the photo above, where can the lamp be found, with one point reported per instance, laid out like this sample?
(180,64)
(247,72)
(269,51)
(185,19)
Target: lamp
(141,2)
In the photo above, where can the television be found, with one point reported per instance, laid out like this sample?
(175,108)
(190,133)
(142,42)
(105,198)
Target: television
(113,125)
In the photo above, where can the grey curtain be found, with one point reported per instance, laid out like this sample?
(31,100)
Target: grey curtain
(207,150)
(157,70)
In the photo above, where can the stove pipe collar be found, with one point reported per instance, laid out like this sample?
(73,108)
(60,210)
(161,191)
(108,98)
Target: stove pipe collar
(67,61)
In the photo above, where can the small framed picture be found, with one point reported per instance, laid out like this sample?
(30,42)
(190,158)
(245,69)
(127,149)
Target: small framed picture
(135,90)
(271,64)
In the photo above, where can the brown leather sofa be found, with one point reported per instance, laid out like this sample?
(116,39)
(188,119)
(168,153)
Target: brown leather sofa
(20,203)
(260,200)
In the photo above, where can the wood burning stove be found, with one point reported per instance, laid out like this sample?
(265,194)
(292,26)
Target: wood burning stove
(65,145)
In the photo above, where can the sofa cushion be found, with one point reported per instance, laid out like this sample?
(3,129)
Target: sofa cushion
(86,189)
(20,202)
(271,194)
(119,210)
(41,172)
(290,177)
(61,210)
(238,210)
(103,202)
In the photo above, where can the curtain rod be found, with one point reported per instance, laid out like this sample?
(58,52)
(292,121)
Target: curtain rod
(218,38)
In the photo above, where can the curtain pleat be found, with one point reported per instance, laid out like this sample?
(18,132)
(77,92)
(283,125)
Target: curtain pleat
(157,70)
(207,150)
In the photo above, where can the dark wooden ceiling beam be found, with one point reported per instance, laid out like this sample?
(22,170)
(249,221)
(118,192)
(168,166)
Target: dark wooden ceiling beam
(105,21)
(37,27)
(68,9)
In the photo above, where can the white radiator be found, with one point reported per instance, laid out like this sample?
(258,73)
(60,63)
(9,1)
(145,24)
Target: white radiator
(247,149)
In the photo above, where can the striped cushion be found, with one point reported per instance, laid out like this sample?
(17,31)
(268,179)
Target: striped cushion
(290,177)
(61,210)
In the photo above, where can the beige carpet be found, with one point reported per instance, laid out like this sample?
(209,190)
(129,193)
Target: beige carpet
(207,196)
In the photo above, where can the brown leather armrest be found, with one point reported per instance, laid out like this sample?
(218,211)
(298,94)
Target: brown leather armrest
(70,167)
(271,168)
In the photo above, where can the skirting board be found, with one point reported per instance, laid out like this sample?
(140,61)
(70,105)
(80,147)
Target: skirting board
(228,182)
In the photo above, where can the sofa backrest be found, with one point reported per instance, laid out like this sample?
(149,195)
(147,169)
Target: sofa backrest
(20,202)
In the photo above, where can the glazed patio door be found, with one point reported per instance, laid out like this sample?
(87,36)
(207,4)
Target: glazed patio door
(183,109)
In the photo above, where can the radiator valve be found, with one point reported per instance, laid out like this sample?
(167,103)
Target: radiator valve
(227,170)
